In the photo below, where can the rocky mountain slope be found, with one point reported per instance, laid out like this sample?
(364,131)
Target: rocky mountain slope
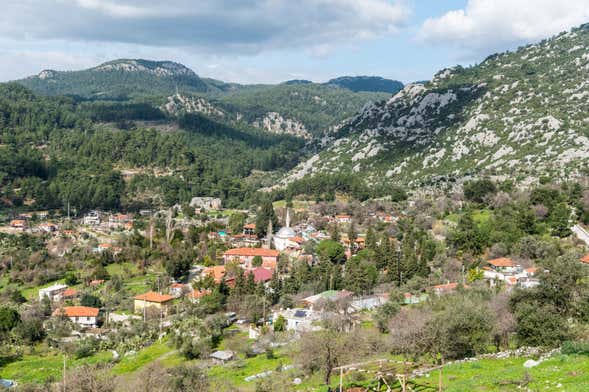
(315,106)
(522,115)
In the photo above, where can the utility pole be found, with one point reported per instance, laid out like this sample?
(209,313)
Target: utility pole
(150,229)
(440,384)
(64,359)
(161,322)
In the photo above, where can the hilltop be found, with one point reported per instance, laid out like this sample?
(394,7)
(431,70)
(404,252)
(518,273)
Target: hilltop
(119,79)
(367,83)
(299,108)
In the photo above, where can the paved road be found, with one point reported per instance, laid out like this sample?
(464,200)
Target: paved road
(581,233)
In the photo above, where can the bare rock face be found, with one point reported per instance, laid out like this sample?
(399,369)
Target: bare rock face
(179,103)
(46,74)
(158,68)
(273,122)
(519,115)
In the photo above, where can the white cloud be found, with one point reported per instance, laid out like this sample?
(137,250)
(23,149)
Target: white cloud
(19,63)
(229,26)
(490,25)
(117,10)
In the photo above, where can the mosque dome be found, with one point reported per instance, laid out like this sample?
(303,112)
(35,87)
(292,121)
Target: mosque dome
(285,232)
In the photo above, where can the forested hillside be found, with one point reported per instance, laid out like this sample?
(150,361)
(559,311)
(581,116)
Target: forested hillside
(367,83)
(299,109)
(318,107)
(57,150)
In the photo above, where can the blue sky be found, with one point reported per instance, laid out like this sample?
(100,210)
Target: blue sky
(268,41)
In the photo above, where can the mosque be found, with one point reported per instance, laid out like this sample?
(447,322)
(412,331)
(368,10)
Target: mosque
(283,239)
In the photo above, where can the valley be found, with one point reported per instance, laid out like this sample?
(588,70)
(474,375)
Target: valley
(164,231)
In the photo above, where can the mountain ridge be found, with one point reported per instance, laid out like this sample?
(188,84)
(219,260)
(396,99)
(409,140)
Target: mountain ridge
(172,69)
(516,115)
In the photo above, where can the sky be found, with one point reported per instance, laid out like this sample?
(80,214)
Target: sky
(269,41)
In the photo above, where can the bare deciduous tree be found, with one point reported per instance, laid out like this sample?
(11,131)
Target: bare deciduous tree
(324,350)
(90,378)
(170,225)
(504,320)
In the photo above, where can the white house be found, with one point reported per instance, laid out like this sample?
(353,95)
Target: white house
(299,320)
(92,218)
(54,293)
(84,316)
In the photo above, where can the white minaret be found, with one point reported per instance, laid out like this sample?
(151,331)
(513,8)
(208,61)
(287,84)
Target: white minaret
(287,217)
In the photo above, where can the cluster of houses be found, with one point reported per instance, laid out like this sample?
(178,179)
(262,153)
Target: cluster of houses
(259,257)
(37,222)
(505,271)
(112,221)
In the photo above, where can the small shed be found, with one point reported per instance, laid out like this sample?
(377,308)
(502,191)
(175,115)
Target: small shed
(221,357)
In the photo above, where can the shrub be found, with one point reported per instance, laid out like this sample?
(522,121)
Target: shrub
(575,347)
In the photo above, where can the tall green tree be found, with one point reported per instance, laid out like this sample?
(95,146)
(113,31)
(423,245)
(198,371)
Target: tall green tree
(264,216)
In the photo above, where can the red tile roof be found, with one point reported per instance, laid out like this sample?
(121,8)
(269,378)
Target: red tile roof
(261,274)
(76,311)
(217,272)
(197,294)
(252,252)
(69,293)
(250,226)
(585,259)
(154,297)
(269,264)
(501,262)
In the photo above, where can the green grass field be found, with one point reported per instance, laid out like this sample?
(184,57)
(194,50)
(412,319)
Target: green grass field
(33,368)
(481,217)
(561,372)
(132,363)
(236,371)
(295,204)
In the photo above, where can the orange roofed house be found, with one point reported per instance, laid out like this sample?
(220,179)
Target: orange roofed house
(503,265)
(84,316)
(153,300)
(245,256)
(585,259)
(249,229)
(196,295)
(18,224)
(217,272)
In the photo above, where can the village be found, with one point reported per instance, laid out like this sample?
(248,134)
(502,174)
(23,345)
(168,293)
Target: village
(252,281)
